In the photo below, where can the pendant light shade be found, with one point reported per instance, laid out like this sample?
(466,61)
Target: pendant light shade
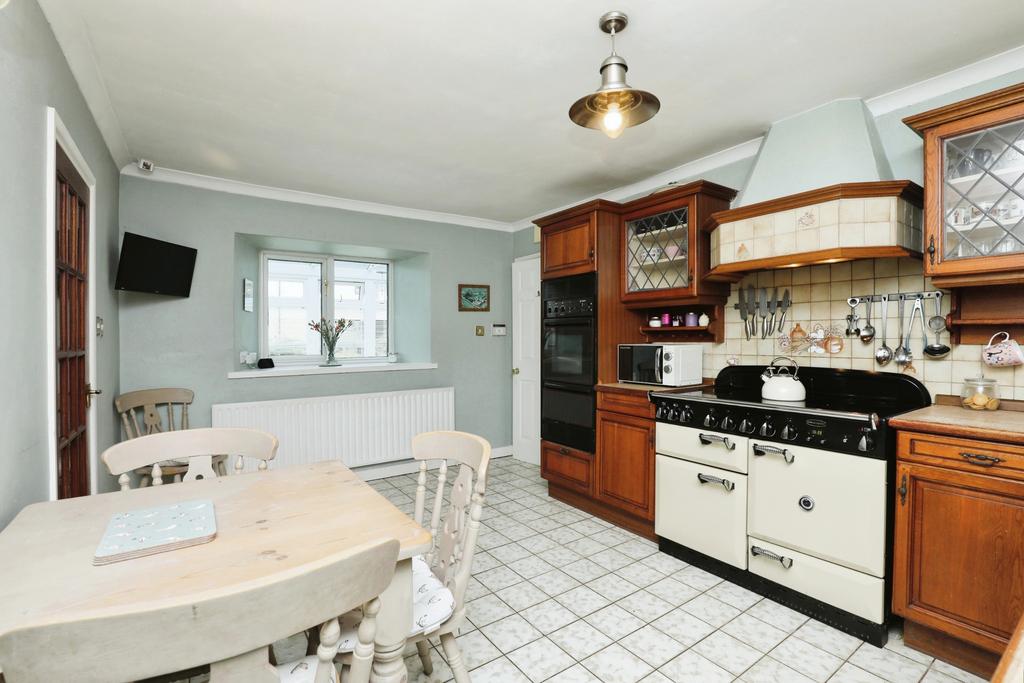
(615,106)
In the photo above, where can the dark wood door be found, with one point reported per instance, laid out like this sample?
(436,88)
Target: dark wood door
(72,270)
(568,248)
(959,553)
(625,463)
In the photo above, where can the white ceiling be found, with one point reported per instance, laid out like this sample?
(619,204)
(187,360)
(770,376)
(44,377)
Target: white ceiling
(461,107)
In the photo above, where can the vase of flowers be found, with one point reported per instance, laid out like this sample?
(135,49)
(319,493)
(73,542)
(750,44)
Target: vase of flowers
(330,331)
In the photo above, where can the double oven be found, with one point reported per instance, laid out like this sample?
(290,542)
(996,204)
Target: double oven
(569,361)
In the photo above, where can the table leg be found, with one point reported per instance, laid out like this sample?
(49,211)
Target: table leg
(393,625)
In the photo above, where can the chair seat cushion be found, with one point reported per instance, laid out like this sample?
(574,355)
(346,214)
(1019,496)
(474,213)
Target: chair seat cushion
(432,604)
(303,671)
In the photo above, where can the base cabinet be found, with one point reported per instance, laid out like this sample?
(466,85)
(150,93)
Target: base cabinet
(959,547)
(625,463)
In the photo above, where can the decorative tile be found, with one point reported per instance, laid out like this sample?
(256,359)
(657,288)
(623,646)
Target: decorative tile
(579,639)
(690,667)
(645,606)
(887,664)
(807,659)
(548,616)
(582,601)
(683,626)
(615,664)
(540,660)
(754,632)
(614,622)
(769,670)
(510,633)
(652,645)
(710,610)
(727,652)
(830,640)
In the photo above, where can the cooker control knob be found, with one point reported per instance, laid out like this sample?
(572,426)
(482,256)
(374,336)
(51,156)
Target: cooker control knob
(686,415)
(789,432)
(673,414)
(661,412)
(767,428)
(710,420)
(747,426)
(728,422)
(866,443)
(667,356)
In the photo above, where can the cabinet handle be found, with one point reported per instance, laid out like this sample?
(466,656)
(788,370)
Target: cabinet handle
(760,449)
(591,253)
(981,459)
(563,451)
(931,250)
(786,562)
(708,479)
(708,439)
(903,490)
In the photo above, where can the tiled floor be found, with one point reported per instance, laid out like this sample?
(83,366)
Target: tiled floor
(558,595)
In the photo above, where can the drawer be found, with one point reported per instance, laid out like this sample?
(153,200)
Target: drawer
(711,448)
(827,504)
(703,508)
(970,455)
(849,590)
(567,467)
(634,403)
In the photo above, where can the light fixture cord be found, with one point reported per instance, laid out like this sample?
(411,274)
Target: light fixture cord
(612,33)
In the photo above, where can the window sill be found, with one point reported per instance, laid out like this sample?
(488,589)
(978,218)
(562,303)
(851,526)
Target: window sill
(293,370)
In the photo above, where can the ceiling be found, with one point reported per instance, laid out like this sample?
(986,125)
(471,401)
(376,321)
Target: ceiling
(461,107)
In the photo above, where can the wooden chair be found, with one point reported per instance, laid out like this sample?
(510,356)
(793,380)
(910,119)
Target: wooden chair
(440,577)
(140,413)
(230,629)
(195,447)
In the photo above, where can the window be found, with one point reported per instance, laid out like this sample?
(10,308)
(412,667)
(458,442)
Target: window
(299,288)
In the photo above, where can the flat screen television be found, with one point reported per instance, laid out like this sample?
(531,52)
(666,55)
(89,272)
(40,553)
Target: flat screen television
(154,266)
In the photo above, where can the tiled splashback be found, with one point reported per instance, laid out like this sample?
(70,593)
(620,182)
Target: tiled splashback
(819,295)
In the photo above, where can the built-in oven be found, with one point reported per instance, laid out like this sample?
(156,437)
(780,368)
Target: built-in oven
(569,360)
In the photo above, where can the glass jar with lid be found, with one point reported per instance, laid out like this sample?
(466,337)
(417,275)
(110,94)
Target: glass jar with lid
(980,393)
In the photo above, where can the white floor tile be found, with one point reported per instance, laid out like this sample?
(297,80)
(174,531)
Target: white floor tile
(652,646)
(830,640)
(522,595)
(710,610)
(614,622)
(541,660)
(754,632)
(848,673)
(645,606)
(582,601)
(727,652)
(615,664)
(888,664)
(769,670)
(548,616)
(777,615)
(476,649)
(510,633)
(690,667)
(683,626)
(499,671)
(579,639)
(807,659)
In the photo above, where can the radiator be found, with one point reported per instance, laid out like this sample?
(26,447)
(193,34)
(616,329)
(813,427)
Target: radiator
(358,429)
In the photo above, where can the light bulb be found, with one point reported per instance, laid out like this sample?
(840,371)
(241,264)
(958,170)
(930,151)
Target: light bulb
(611,122)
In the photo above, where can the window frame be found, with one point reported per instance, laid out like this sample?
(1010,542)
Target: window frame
(326,262)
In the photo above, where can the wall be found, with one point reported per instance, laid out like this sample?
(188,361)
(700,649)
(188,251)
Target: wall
(34,75)
(191,342)
(523,244)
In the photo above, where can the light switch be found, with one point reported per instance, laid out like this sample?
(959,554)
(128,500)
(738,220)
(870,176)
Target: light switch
(479,330)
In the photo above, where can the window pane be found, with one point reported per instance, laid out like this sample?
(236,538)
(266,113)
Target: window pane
(293,300)
(361,295)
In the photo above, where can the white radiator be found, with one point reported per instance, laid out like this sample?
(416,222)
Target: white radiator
(358,429)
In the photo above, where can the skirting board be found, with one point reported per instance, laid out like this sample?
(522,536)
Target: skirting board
(393,469)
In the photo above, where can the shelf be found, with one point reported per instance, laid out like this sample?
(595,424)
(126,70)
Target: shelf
(988,186)
(679,261)
(664,232)
(735,271)
(676,328)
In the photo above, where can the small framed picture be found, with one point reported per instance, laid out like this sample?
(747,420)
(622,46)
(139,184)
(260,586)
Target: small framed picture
(247,296)
(475,298)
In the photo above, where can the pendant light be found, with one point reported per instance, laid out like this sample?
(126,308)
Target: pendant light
(615,106)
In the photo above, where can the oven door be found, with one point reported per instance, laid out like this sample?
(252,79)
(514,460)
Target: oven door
(567,415)
(641,364)
(567,352)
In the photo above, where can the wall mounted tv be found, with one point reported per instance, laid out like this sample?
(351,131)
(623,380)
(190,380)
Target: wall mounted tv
(154,266)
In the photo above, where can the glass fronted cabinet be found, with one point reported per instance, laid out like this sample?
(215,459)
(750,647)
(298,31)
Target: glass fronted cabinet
(657,251)
(974,189)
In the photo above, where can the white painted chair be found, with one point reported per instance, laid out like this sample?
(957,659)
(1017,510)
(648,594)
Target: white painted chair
(229,629)
(197,447)
(440,577)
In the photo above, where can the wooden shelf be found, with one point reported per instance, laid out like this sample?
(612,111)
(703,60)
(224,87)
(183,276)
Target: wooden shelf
(668,329)
(734,272)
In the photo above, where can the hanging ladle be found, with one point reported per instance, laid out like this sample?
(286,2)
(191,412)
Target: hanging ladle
(867,333)
(936,324)
(883,354)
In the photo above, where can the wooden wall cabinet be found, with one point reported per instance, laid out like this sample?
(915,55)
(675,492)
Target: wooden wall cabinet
(958,558)
(569,247)
(625,463)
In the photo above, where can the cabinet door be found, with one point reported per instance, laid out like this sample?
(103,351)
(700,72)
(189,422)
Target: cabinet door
(625,463)
(974,200)
(569,248)
(658,253)
(567,467)
(959,553)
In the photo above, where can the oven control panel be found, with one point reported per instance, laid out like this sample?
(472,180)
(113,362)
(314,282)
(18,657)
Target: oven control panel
(568,308)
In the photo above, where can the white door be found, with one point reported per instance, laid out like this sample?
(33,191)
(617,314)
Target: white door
(526,359)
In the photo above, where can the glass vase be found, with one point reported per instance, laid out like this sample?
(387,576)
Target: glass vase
(331,360)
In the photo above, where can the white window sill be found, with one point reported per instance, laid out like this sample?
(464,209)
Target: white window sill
(293,370)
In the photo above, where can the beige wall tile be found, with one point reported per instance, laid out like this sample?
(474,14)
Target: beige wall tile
(879,209)
(886,267)
(851,235)
(851,210)
(828,213)
(802,276)
(840,271)
(828,237)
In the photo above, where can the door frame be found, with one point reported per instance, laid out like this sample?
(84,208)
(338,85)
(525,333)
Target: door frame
(58,134)
(515,334)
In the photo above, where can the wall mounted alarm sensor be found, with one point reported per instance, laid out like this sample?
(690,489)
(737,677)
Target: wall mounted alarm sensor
(146,166)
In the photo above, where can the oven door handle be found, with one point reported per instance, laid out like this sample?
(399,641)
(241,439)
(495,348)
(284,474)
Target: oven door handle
(786,562)
(762,449)
(708,439)
(708,479)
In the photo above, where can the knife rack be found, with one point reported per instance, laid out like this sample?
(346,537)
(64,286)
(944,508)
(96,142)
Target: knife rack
(905,296)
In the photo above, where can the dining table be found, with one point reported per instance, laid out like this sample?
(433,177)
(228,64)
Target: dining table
(267,521)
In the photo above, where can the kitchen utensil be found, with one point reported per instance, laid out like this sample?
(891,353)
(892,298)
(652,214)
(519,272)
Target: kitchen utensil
(902,354)
(762,310)
(884,354)
(1002,354)
(918,312)
(867,333)
(979,393)
(784,306)
(936,324)
(851,320)
(743,313)
(773,305)
(752,310)
(781,382)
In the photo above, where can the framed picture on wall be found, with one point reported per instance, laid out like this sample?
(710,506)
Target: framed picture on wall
(247,295)
(475,298)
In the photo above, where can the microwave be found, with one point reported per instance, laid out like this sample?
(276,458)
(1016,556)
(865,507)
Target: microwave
(668,365)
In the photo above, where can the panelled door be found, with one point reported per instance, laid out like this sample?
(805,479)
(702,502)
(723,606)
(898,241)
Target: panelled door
(526,360)
(72,271)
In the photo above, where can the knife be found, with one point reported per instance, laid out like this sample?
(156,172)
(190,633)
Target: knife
(784,306)
(762,305)
(743,313)
(752,310)
(773,304)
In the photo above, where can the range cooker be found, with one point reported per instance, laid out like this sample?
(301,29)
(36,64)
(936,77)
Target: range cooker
(792,500)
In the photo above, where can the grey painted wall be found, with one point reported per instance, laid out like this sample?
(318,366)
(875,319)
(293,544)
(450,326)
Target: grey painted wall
(191,342)
(34,75)
(523,244)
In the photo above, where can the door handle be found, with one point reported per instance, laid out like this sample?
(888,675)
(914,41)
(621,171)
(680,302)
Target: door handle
(708,479)
(981,459)
(786,562)
(515,371)
(708,439)
(760,449)
(90,392)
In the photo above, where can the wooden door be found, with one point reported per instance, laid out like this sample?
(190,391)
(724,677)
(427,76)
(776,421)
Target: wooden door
(526,360)
(959,553)
(567,467)
(72,270)
(625,463)
(568,248)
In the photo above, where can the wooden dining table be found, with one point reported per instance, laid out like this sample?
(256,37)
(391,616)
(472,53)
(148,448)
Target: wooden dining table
(280,519)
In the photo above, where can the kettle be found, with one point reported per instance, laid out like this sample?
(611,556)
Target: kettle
(781,382)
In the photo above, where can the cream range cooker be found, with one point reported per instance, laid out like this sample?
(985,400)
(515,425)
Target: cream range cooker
(791,500)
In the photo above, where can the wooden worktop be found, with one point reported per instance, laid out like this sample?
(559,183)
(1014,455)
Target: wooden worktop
(995,425)
(628,388)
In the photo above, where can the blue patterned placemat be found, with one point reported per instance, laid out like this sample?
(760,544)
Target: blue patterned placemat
(138,533)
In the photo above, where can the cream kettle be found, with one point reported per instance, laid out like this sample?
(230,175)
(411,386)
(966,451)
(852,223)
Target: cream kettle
(781,382)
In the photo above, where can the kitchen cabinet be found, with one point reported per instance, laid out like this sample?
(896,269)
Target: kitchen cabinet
(973,159)
(958,547)
(568,467)
(666,252)
(569,247)
(625,463)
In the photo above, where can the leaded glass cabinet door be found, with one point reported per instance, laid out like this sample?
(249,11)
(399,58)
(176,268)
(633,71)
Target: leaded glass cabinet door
(658,254)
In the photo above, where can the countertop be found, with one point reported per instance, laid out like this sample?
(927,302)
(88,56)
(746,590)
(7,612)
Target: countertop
(628,388)
(995,425)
